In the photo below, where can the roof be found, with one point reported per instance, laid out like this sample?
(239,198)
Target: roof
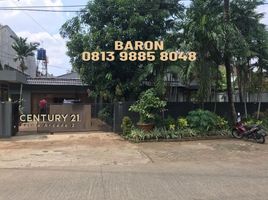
(71,75)
(54,81)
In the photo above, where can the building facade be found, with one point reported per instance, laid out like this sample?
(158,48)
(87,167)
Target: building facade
(7,53)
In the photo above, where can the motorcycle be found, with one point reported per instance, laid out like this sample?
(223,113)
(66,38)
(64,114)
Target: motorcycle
(255,132)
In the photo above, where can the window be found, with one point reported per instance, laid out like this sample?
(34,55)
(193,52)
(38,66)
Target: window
(3,92)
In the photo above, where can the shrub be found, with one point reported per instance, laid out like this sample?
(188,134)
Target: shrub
(222,123)
(182,123)
(159,121)
(126,125)
(202,120)
(105,114)
(187,132)
(252,121)
(265,123)
(137,135)
(170,123)
(147,106)
(161,133)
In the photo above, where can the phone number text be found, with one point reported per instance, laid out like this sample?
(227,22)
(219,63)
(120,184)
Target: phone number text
(138,56)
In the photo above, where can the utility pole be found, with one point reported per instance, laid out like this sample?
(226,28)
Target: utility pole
(227,62)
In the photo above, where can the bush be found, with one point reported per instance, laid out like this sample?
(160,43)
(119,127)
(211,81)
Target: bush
(252,121)
(126,125)
(170,123)
(222,123)
(147,106)
(164,134)
(187,132)
(137,135)
(161,133)
(204,120)
(159,122)
(156,134)
(265,123)
(182,123)
(105,114)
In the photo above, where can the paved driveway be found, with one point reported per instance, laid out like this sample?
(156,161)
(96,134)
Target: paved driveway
(103,166)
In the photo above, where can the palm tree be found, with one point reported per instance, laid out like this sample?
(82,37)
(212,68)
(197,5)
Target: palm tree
(23,50)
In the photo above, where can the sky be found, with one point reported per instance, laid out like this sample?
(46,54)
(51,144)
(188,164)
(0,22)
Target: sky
(43,27)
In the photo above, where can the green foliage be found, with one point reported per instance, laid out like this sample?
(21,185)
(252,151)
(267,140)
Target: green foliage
(105,114)
(222,123)
(188,133)
(136,135)
(126,125)
(23,50)
(252,121)
(182,123)
(170,123)
(265,123)
(204,120)
(162,133)
(156,134)
(159,121)
(106,21)
(147,106)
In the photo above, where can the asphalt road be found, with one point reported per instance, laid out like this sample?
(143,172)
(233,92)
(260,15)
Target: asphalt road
(118,170)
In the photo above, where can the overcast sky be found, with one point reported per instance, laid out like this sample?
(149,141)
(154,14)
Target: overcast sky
(43,27)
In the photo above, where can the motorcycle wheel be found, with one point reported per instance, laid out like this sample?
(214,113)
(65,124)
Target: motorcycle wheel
(260,139)
(236,134)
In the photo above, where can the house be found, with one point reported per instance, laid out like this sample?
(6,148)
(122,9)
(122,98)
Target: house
(14,82)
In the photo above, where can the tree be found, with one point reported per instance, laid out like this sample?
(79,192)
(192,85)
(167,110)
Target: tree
(204,32)
(23,50)
(227,59)
(220,39)
(104,22)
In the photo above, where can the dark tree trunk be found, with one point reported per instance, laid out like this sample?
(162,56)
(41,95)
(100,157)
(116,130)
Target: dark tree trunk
(239,79)
(260,89)
(229,88)
(227,63)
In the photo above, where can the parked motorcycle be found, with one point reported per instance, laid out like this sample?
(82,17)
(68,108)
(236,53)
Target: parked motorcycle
(255,132)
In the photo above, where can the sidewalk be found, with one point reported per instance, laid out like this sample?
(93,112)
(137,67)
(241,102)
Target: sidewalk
(102,148)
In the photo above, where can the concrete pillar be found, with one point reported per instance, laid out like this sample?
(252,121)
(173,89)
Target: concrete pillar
(5,119)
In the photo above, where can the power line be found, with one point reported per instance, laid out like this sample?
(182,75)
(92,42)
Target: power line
(64,6)
(43,28)
(39,10)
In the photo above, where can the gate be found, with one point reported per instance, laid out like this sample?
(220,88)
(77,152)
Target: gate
(9,119)
(69,117)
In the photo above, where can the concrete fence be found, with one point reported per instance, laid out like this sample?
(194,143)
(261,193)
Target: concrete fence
(5,119)
(9,119)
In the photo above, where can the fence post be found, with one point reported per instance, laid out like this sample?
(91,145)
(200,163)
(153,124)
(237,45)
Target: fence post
(6,119)
(114,115)
(1,119)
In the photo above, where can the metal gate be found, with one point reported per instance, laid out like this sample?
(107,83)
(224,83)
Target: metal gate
(69,117)
(9,119)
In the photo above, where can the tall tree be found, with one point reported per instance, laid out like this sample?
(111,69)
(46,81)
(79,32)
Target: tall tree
(23,50)
(106,21)
(227,60)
